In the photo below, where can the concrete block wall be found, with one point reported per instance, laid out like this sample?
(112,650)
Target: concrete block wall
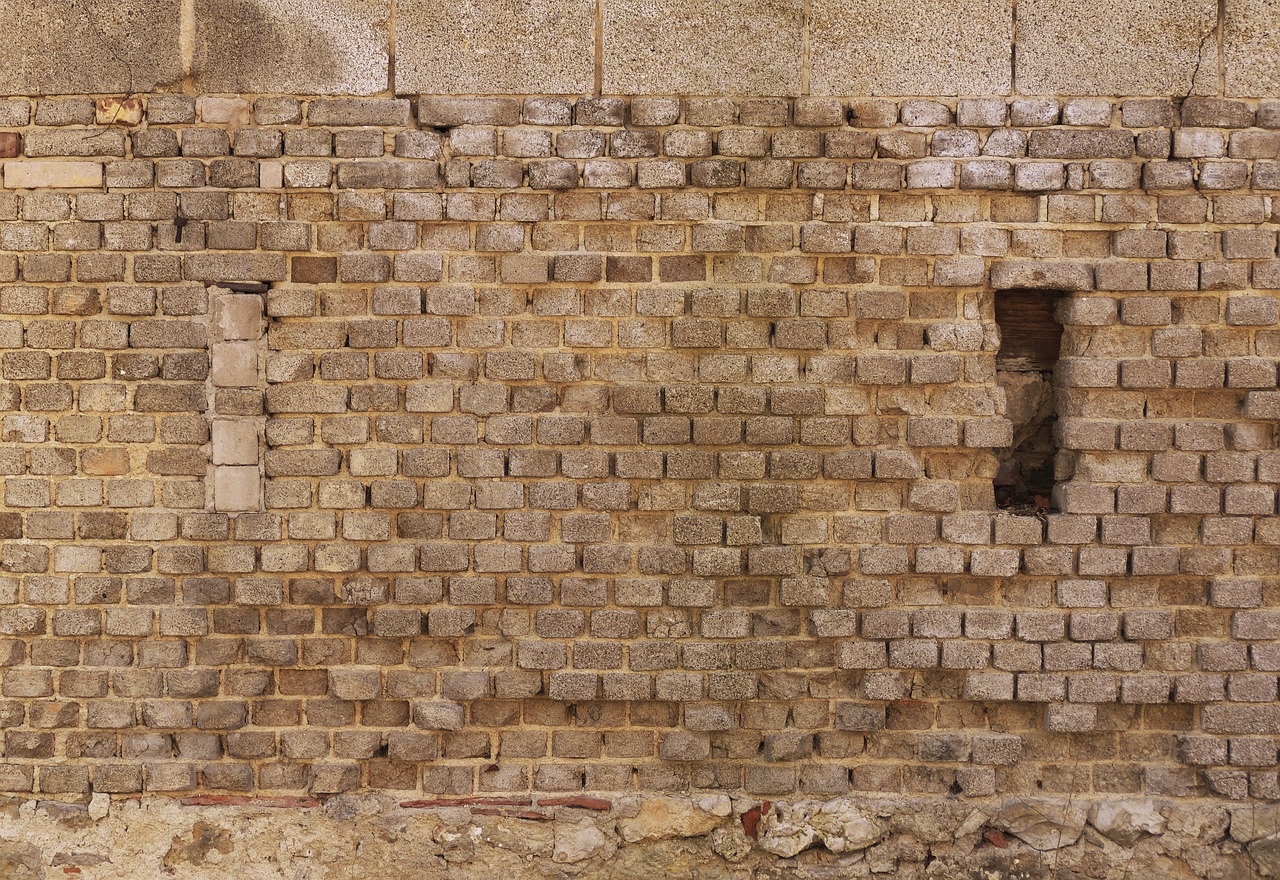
(484,408)
(787,48)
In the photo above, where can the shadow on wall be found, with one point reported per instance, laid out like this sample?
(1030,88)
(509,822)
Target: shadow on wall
(245,47)
(291,46)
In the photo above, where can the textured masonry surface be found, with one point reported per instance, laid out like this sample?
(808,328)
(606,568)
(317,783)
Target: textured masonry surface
(475,447)
(493,444)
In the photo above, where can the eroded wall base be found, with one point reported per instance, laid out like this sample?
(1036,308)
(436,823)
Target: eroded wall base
(706,835)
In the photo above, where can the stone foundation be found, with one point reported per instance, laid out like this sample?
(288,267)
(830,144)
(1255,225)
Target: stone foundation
(705,836)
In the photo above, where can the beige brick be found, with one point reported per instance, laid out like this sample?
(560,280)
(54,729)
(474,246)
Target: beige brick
(235,365)
(51,174)
(235,441)
(237,488)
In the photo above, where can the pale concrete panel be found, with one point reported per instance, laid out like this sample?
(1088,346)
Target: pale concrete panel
(1122,47)
(1251,48)
(928,47)
(305,47)
(495,47)
(51,174)
(65,48)
(703,47)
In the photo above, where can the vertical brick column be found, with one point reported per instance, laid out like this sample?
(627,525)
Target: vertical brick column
(236,389)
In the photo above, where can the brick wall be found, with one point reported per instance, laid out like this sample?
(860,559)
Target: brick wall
(407,417)
(486,445)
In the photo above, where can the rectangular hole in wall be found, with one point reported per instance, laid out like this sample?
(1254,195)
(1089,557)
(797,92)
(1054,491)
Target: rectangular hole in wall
(1030,344)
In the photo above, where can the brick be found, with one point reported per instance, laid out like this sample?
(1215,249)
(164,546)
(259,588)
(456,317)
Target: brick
(1066,144)
(358,111)
(1043,276)
(50,174)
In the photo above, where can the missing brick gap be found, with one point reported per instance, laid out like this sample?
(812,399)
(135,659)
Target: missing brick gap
(242,286)
(1031,342)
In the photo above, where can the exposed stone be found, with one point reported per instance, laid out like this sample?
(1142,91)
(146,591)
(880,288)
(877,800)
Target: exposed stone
(99,806)
(661,818)
(579,841)
(1127,822)
(207,844)
(1266,854)
(837,825)
(1253,822)
(1042,824)
(21,860)
(731,843)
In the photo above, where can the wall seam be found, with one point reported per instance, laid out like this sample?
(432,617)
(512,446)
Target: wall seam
(1222,40)
(391,49)
(187,43)
(599,48)
(1013,48)
(806,47)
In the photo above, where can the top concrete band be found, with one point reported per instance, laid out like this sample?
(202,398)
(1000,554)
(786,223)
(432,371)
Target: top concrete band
(638,47)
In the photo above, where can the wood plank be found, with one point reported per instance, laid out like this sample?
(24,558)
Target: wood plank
(1030,335)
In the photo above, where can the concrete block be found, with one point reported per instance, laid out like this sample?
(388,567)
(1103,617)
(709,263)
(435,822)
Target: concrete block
(698,48)
(235,441)
(1251,48)
(236,488)
(39,174)
(304,47)
(1127,47)
(235,365)
(80,48)
(931,47)
(238,316)
(495,47)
